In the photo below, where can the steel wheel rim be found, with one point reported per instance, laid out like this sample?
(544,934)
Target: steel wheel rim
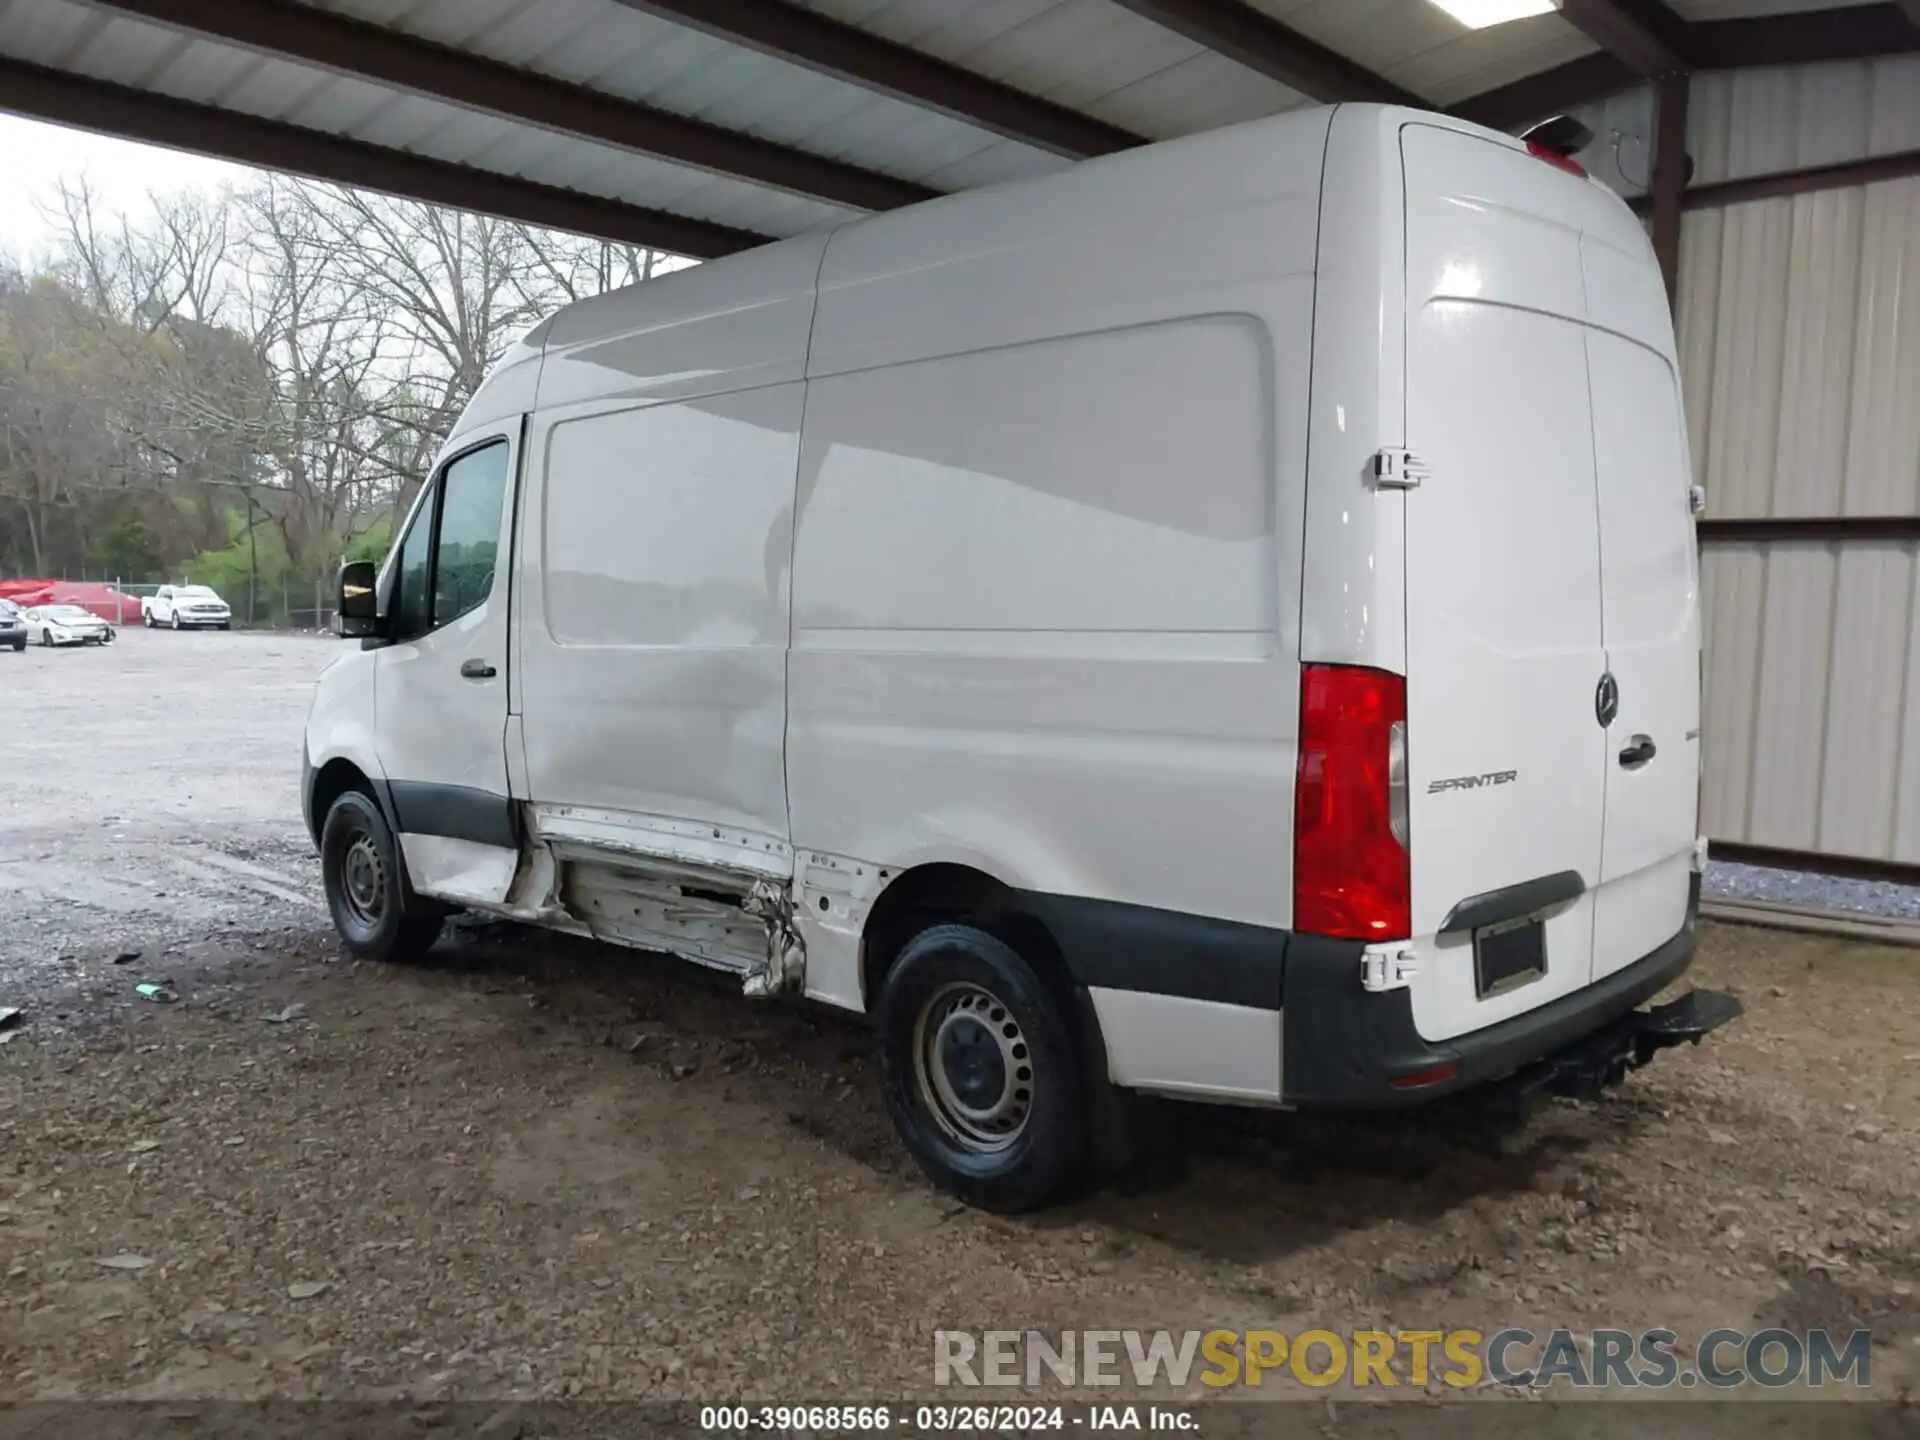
(973,1067)
(363,881)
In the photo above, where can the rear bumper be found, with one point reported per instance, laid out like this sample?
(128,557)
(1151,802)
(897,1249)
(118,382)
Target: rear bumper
(1217,1010)
(1343,1047)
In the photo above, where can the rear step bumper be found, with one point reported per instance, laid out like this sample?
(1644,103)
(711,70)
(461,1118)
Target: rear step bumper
(1343,1047)
(1587,1067)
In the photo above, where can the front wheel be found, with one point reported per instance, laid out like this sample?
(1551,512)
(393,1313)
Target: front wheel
(980,1069)
(176,619)
(374,908)
(46,638)
(20,645)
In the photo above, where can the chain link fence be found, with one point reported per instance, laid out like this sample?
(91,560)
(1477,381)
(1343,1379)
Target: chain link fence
(285,606)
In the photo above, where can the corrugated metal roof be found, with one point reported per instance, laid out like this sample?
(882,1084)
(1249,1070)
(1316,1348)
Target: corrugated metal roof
(1092,56)
(1419,46)
(1089,55)
(608,47)
(146,56)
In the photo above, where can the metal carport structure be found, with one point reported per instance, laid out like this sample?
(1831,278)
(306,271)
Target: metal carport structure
(1773,144)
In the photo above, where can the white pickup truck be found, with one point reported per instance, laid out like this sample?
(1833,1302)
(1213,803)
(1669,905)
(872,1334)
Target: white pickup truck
(184,607)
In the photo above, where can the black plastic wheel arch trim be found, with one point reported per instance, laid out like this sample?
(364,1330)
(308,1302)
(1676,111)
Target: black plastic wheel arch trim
(1110,945)
(455,812)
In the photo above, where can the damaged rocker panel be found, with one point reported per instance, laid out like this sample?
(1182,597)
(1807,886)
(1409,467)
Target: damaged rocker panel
(718,897)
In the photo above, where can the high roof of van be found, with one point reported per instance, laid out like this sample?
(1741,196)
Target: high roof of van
(769,289)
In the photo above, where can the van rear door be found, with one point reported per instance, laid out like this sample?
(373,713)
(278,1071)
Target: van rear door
(1506,757)
(1650,600)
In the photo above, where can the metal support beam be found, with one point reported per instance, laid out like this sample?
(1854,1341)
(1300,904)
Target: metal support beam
(64,99)
(1645,34)
(1875,170)
(1858,32)
(831,47)
(1818,529)
(1669,177)
(345,46)
(1259,42)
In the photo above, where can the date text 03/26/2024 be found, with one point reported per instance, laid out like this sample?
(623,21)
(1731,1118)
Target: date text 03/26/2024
(942,1419)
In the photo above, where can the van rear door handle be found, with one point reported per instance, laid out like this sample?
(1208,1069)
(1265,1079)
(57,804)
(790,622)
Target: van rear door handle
(477,670)
(1638,753)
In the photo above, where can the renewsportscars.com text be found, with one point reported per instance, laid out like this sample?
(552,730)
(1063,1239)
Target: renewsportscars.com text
(1595,1359)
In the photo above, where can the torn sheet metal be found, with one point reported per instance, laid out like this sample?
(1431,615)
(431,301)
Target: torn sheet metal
(786,960)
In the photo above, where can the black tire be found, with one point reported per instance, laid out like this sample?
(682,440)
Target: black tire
(963,1017)
(146,618)
(20,645)
(226,625)
(176,620)
(374,908)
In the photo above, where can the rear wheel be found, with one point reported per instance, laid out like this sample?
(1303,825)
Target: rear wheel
(374,908)
(146,618)
(981,1073)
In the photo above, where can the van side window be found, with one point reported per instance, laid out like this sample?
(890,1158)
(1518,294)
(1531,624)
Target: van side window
(410,579)
(437,583)
(472,491)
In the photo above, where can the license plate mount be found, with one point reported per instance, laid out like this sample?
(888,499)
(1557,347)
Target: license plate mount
(1508,956)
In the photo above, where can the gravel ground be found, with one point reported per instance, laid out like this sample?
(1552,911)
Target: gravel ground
(533,1168)
(1817,892)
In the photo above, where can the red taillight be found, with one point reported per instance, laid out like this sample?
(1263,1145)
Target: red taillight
(1556,159)
(1350,875)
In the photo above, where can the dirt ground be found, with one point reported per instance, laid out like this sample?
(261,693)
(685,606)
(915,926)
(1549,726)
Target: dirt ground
(533,1168)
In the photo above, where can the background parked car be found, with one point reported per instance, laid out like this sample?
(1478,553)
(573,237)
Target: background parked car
(184,607)
(13,626)
(108,601)
(67,625)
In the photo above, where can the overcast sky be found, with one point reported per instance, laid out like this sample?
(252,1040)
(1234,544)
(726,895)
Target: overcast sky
(33,156)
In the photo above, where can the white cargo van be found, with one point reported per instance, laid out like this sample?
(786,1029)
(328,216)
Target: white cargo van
(1220,622)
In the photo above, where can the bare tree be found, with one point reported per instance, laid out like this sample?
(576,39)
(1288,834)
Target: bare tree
(286,355)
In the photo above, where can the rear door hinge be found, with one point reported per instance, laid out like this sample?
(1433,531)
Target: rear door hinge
(1398,469)
(1388,968)
(1697,499)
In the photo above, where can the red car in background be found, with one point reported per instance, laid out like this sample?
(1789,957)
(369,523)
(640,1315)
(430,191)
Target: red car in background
(109,602)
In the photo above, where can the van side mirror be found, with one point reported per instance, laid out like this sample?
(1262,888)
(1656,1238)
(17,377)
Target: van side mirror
(357,606)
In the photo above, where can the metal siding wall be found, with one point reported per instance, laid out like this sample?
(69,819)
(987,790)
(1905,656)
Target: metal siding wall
(1799,334)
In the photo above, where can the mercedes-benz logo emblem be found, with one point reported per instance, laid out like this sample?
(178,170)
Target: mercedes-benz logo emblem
(1606,699)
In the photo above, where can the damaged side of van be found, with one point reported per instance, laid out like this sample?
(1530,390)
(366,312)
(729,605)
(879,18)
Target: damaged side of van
(1220,622)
